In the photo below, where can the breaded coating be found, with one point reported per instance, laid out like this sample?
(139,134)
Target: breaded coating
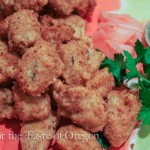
(83,106)
(123,109)
(31,108)
(54,32)
(80,61)
(3,48)
(38,135)
(57,34)
(36,5)
(4,29)
(3,79)
(23,30)
(63,29)
(8,64)
(38,68)
(66,7)
(78,24)
(8,7)
(102,81)
(73,137)
(86,7)
(47,20)
(6,104)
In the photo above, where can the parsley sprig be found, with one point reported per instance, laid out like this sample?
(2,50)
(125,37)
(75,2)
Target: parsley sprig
(123,67)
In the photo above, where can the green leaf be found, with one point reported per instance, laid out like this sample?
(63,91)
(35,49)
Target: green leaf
(112,66)
(140,51)
(147,70)
(146,59)
(144,83)
(104,143)
(130,64)
(144,115)
(119,58)
(116,67)
(144,96)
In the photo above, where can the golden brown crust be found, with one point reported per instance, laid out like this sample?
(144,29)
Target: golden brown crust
(63,7)
(123,109)
(4,28)
(38,68)
(66,7)
(73,137)
(23,30)
(8,7)
(78,24)
(38,135)
(3,48)
(31,108)
(86,7)
(82,106)
(3,79)
(36,5)
(54,32)
(57,34)
(80,61)
(8,65)
(68,28)
(7,110)
(101,81)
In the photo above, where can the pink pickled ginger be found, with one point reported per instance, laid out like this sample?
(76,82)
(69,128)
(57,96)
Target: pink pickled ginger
(116,33)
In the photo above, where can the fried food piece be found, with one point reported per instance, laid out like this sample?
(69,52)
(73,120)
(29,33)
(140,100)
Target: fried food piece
(83,106)
(57,34)
(102,81)
(8,65)
(38,68)
(3,48)
(73,137)
(54,32)
(6,104)
(66,7)
(123,109)
(4,29)
(31,108)
(36,5)
(47,20)
(63,29)
(8,7)
(86,7)
(38,135)
(80,61)
(23,30)
(77,23)
(3,79)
